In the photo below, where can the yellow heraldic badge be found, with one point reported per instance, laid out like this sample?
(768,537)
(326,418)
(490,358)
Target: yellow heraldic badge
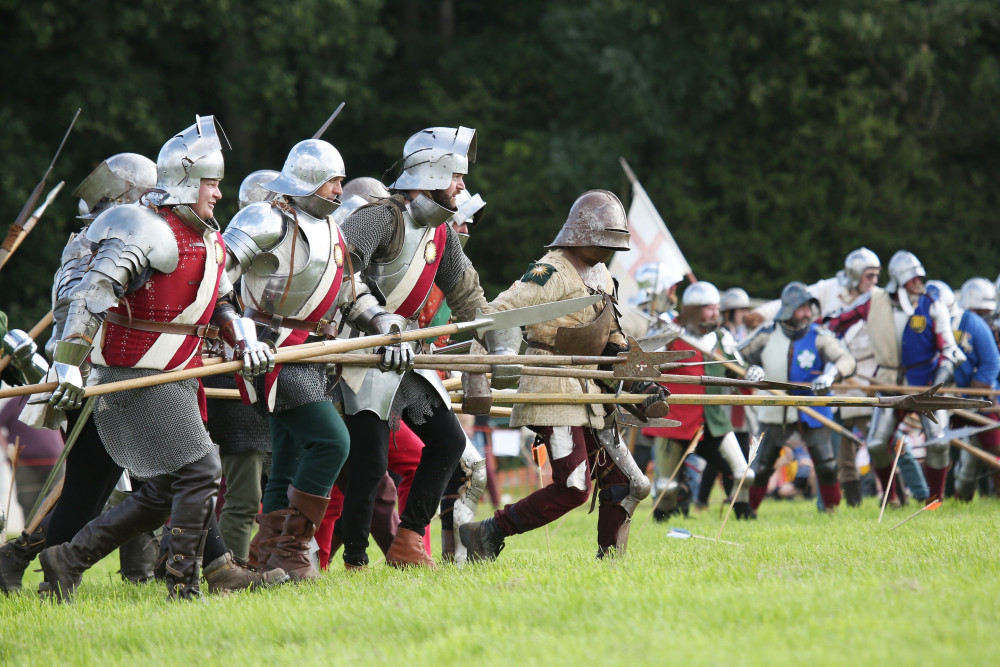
(338,255)
(220,252)
(430,252)
(538,273)
(918,323)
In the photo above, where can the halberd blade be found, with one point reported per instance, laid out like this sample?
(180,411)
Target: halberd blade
(543,312)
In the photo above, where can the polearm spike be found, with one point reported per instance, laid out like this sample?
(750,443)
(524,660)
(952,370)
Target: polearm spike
(322,130)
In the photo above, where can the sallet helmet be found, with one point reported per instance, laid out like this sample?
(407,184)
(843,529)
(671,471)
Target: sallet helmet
(309,165)
(701,293)
(733,298)
(794,295)
(977,294)
(188,157)
(432,156)
(903,267)
(596,219)
(855,264)
(252,188)
(121,179)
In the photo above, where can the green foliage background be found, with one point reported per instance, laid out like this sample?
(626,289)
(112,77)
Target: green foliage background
(773,136)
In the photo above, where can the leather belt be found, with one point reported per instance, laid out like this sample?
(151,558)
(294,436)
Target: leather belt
(538,345)
(200,330)
(320,328)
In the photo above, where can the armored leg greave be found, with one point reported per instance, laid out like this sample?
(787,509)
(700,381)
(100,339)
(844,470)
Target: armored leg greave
(880,436)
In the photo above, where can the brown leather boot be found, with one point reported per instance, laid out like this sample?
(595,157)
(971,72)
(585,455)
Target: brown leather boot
(226,574)
(408,549)
(269,529)
(290,549)
(448,546)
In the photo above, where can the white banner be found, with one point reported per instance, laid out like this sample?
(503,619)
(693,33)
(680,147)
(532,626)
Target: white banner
(651,242)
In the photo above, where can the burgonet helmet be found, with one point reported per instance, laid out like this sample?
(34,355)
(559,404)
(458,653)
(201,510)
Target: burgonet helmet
(121,179)
(188,157)
(596,219)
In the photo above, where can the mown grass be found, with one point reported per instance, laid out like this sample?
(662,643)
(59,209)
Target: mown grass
(804,589)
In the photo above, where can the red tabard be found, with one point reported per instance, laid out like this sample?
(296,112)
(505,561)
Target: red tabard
(163,298)
(422,287)
(690,416)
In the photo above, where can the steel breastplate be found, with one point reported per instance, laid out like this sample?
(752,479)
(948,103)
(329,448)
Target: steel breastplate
(276,282)
(388,275)
(586,339)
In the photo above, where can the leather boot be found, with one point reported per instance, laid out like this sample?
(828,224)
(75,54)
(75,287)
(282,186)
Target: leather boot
(483,540)
(757,494)
(408,550)
(290,549)
(226,574)
(64,564)
(936,479)
(447,546)
(253,556)
(15,556)
(613,524)
(852,492)
(137,558)
(830,493)
(184,562)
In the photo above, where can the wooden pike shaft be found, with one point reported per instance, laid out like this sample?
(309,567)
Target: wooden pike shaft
(906,389)
(234,394)
(284,355)
(446,361)
(33,333)
(684,399)
(821,418)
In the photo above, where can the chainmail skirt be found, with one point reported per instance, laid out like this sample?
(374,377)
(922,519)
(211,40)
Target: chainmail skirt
(152,430)
(234,426)
(302,384)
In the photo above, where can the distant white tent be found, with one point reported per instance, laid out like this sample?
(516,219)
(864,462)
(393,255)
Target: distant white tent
(651,242)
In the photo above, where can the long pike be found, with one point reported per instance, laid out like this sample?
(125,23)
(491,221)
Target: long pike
(923,403)
(481,324)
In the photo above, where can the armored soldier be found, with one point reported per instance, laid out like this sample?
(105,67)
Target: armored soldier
(794,349)
(292,259)
(981,366)
(699,328)
(407,247)
(154,288)
(914,344)
(582,439)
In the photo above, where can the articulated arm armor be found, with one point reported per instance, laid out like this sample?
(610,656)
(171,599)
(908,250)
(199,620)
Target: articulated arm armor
(24,356)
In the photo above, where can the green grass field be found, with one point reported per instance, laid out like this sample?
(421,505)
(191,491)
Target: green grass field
(804,589)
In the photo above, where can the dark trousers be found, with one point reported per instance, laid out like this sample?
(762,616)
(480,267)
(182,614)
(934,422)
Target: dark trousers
(444,442)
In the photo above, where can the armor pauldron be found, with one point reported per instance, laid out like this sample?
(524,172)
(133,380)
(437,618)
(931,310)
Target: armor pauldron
(139,227)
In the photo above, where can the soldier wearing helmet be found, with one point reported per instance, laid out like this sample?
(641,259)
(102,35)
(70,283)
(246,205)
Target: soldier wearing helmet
(156,287)
(795,349)
(980,369)
(733,306)
(408,247)
(292,258)
(698,326)
(913,343)
(574,266)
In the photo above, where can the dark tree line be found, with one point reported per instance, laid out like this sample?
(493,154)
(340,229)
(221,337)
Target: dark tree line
(773,136)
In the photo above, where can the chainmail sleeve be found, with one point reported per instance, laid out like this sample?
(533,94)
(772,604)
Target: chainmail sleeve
(459,280)
(368,232)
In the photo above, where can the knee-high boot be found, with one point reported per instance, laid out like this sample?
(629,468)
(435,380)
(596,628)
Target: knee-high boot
(295,526)
(64,564)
